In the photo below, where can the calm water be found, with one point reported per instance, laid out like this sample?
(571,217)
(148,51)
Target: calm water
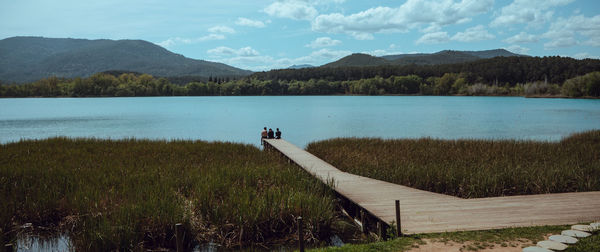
(302,119)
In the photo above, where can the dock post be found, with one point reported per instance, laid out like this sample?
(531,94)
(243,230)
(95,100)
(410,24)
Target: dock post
(398,222)
(381,231)
(179,236)
(363,221)
(300,235)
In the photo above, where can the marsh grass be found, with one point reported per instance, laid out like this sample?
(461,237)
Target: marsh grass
(122,194)
(472,168)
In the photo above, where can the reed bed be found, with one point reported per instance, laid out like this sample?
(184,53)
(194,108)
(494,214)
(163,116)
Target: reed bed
(472,168)
(124,194)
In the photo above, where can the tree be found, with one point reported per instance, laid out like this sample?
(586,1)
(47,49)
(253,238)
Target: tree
(459,86)
(592,84)
(83,87)
(104,84)
(443,85)
(196,89)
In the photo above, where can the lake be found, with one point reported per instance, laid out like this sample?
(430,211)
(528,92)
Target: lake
(302,119)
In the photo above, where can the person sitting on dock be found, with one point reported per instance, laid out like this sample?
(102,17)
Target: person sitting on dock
(271,134)
(263,135)
(277,134)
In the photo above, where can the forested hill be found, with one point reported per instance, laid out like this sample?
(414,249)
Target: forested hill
(442,57)
(498,70)
(358,60)
(26,59)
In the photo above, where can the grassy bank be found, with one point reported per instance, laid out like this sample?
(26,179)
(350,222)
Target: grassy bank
(475,240)
(110,194)
(472,168)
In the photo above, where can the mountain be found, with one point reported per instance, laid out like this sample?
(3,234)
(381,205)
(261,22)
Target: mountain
(26,59)
(442,57)
(358,59)
(300,66)
(400,56)
(488,54)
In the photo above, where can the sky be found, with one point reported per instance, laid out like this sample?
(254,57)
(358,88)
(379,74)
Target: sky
(261,35)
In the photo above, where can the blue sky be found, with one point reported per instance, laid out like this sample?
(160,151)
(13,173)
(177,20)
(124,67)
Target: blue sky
(266,34)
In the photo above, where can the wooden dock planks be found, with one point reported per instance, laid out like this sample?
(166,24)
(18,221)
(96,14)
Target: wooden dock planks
(428,212)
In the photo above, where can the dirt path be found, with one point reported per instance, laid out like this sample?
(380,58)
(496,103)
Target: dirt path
(438,246)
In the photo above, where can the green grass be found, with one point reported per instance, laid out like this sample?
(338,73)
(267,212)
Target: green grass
(476,240)
(472,168)
(498,236)
(120,194)
(591,243)
(399,244)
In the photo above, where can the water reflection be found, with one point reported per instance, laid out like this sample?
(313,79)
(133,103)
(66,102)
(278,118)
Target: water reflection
(36,243)
(61,243)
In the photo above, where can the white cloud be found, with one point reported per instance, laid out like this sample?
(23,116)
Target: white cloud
(522,38)
(382,52)
(472,34)
(178,40)
(564,32)
(433,38)
(328,1)
(323,42)
(432,28)
(210,37)
(362,35)
(593,42)
(377,52)
(531,12)
(221,29)
(222,50)
(391,50)
(242,52)
(586,27)
(410,15)
(517,49)
(173,41)
(257,62)
(561,42)
(322,56)
(294,9)
(371,20)
(249,22)
(585,55)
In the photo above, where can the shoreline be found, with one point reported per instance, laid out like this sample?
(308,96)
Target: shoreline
(409,95)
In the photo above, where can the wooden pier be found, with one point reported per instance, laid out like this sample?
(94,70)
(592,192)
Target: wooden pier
(428,212)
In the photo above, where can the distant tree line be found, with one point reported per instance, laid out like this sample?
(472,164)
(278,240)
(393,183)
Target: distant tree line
(549,76)
(498,70)
(127,84)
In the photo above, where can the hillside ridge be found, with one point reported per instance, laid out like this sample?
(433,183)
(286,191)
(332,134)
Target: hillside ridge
(441,57)
(26,59)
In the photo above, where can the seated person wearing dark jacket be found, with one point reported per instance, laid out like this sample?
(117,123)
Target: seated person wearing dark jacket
(270,134)
(277,134)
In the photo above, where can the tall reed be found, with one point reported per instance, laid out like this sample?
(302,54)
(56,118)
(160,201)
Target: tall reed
(472,168)
(122,194)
